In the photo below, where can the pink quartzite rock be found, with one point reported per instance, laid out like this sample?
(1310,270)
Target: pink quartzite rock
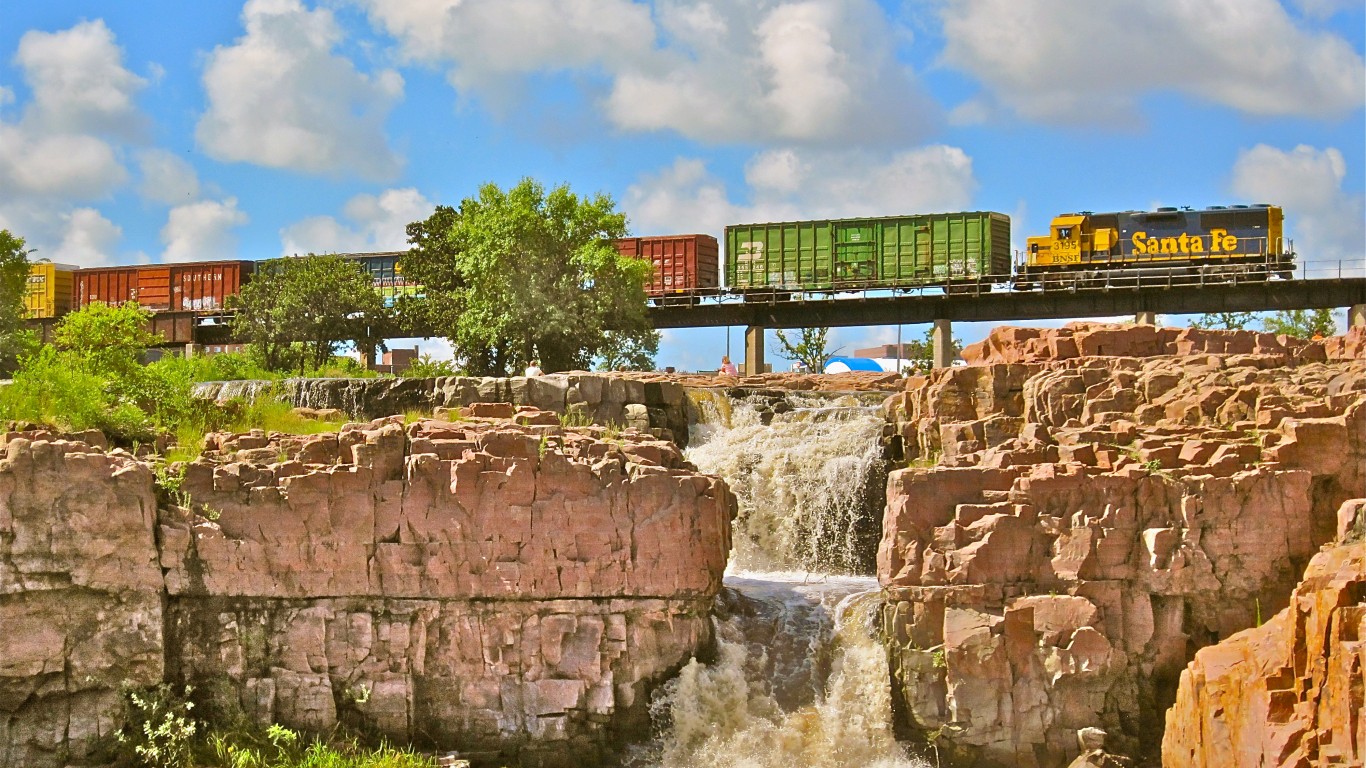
(511,589)
(1086,511)
(80,596)
(516,591)
(1289,692)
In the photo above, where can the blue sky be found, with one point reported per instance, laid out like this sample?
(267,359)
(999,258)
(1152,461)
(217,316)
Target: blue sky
(154,131)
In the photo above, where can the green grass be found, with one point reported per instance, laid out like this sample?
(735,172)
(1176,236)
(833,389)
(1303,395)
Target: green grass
(279,747)
(164,730)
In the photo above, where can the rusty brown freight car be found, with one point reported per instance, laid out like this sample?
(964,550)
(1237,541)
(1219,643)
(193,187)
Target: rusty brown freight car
(682,263)
(192,287)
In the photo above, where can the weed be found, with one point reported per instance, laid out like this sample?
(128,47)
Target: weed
(930,459)
(170,485)
(159,731)
(1153,466)
(358,694)
(576,416)
(611,432)
(938,660)
(426,368)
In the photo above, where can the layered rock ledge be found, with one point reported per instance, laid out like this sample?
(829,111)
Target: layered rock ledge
(504,590)
(1069,533)
(1288,692)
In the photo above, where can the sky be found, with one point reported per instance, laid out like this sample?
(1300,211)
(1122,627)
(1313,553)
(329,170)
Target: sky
(170,131)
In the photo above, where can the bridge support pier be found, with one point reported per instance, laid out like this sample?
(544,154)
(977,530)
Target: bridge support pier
(942,336)
(754,349)
(1356,316)
(1145,318)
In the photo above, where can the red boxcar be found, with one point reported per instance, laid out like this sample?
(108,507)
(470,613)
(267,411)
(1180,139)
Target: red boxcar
(192,287)
(682,262)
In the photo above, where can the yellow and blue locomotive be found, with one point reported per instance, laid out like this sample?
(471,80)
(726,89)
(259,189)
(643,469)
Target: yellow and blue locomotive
(1229,242)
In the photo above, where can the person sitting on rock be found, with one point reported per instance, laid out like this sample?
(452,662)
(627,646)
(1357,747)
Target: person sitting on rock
(727,367)
(534,369)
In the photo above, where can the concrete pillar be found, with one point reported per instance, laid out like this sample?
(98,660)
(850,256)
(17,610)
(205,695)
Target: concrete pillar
(754,349)
(1145,318)
(1356,316)
(942,337)
(192,349)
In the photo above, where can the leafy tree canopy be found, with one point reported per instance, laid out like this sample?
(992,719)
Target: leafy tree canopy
(1302,323)
(321,301)
(525,273)
(628,351)
(810,348)
(1233,321)
(110,339)
(13,285)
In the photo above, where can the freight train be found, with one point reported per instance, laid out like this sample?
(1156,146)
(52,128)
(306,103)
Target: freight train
(952,251)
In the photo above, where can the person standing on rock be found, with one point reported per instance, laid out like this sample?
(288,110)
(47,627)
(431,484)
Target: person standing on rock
(534,369)
(727,367)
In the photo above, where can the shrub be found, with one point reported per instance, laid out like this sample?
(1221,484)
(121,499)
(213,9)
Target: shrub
(159,731)
(427,368)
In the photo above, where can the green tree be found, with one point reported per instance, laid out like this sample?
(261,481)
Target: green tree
(811,348)
(921,353)
(14,338)
(628,351)
(110,340)
(320,301)
(1233,321)
(1302,323)
(524,273)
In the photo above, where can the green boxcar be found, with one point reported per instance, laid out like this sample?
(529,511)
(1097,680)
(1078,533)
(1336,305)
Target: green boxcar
(930,249)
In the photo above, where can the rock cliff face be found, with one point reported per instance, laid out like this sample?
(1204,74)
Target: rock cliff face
(649,403)
(1068,534)
(499,589)
(1008,344)
(80,595)
(1289,692)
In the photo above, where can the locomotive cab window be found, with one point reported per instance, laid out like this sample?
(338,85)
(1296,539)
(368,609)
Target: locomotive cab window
(1065,233)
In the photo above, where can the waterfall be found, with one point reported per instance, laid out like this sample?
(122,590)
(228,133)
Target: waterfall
(808,471)
(798,676)
(799,679)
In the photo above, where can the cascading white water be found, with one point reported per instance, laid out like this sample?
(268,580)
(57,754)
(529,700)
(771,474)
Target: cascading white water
(799,679)
(809,482)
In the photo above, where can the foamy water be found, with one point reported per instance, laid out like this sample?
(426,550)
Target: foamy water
(809,484)
(799,680)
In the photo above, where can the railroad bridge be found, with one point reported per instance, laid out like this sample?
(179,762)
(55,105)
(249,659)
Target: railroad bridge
(1343,284)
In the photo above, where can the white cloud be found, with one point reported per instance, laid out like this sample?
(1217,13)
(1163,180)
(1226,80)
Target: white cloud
(65,146)
(376,223)
(202,231)
(59,165)
(79,82)
(486,40)
(1327,223)
(787,184)
(166,177)
(81,92)
(1091,63)
(812,71)
(88,240)
(280,97)
(820,71)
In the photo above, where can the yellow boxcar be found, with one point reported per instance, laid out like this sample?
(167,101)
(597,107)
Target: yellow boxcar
(49,289)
